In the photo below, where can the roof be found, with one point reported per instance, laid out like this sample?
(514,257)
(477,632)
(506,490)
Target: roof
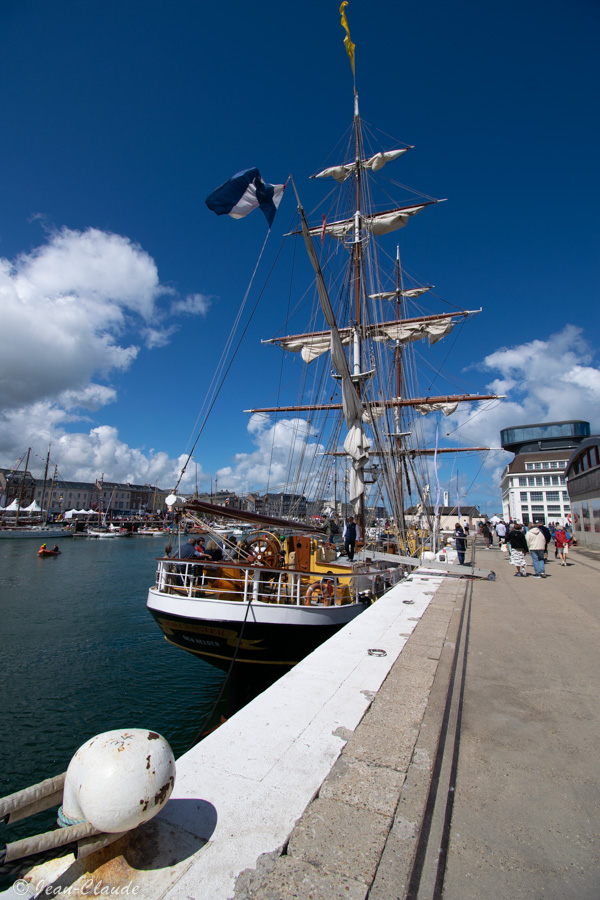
(517,465)
(466,511)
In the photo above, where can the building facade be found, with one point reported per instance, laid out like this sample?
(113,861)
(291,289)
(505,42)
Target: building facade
(534,486)
(583,484)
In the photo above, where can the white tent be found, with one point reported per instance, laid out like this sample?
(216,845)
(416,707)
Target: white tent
(70,513)
(33,507)
(14,506)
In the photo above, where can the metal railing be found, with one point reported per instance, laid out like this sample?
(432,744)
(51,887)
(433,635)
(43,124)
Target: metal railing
(226,580)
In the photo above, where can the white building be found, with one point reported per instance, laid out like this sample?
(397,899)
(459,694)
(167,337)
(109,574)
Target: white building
(534,488)
(534,483)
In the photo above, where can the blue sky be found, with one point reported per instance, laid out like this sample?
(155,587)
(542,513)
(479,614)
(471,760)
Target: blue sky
(119,118)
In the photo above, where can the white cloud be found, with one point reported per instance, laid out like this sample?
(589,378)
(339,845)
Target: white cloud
(192,305)
(545,381)
(283,453)
(68,308)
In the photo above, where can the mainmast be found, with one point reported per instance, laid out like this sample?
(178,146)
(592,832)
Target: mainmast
(357,346)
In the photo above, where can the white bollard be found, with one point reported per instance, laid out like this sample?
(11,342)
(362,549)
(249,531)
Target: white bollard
(119,779)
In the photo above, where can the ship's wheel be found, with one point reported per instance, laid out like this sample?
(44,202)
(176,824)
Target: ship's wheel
(263,549)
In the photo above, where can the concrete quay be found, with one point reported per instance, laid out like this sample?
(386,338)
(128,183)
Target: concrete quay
(444,747)
(500,797)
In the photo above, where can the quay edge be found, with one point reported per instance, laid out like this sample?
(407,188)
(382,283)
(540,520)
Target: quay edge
(240,793)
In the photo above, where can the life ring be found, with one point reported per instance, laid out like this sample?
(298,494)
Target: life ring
(326,598)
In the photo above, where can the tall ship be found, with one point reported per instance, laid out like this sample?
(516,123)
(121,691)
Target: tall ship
(358,414)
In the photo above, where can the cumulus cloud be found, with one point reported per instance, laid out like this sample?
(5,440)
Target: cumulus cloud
(283,452)
(70,309)
(544,381)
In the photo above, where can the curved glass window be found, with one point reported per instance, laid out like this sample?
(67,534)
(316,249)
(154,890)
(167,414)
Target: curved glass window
(545,432)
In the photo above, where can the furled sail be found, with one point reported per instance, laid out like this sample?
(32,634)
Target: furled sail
(426,408)
(404,292)
(376,162)
(377,223)
(405,331)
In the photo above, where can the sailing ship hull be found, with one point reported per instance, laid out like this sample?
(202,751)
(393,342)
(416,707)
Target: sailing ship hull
(256,633)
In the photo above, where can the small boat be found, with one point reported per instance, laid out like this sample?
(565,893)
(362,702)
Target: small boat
(43,552)
(108,533)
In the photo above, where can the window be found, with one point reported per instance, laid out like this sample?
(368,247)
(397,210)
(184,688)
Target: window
(554,509)
(522,482)
(528,467)
(537,495)
(555,479)
(554,464)
(562,479)
(547,479)
(537,509)
(537,465)
(539,481)
(553,496)
(523,496)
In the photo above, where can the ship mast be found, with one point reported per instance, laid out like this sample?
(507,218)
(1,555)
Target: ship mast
(397,412)
(20,500)
(357,348)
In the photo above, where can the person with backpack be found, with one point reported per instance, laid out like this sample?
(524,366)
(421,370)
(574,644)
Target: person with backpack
(562,540)
(547,537)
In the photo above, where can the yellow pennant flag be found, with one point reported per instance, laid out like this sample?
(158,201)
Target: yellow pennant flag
(347,41)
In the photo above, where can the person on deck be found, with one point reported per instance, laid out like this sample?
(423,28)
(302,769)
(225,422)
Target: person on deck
(214,552)
(350,535)
(460,540)
(518,548)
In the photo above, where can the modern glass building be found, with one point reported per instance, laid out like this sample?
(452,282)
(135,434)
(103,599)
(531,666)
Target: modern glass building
(534,484)
(546,436)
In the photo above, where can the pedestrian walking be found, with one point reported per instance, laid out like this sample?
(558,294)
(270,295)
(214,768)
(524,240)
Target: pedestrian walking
(562,540)
(547,537)
(518,548)
(488,534)
(536,544)
(501,532)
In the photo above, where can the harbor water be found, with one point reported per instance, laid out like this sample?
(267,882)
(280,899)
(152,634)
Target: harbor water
(81,655)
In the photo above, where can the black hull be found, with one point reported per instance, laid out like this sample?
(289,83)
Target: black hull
(261,644)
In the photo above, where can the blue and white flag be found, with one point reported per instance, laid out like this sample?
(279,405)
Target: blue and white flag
(243,193)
